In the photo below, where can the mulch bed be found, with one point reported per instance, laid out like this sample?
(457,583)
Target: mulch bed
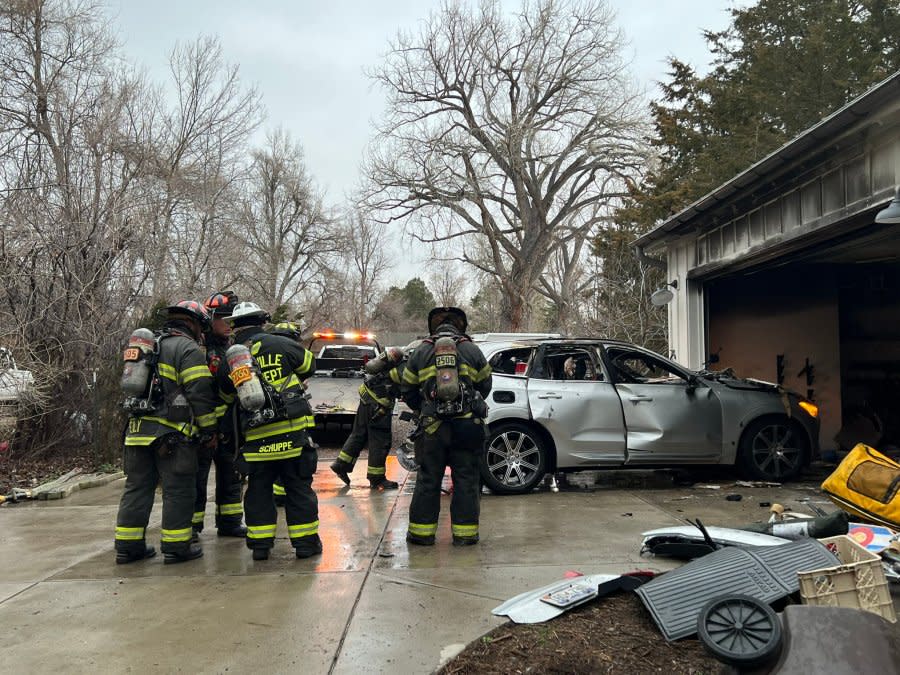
(29,472)
(610,635)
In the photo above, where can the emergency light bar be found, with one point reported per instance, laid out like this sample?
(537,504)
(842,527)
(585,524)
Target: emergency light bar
(349,335)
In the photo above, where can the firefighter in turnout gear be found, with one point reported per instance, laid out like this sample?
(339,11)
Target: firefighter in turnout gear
(229,511)
(276,443)
(372,424)
(446,381)
(170,417)
(290,330)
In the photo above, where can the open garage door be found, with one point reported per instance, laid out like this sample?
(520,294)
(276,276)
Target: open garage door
(824,322)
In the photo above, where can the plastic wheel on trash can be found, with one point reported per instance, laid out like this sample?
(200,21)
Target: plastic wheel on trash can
(739,630)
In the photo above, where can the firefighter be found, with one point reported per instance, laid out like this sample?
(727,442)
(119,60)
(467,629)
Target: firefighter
(276,443)
(174,416)
(372,424)
(229,511)
(446,381)
(290,330)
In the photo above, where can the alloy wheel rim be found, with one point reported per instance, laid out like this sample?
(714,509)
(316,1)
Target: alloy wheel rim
(513,458)
(776,450)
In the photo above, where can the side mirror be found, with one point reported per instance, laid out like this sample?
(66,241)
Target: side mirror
(692,383)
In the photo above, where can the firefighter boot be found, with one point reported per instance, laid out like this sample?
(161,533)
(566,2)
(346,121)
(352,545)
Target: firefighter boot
(342,469)
(125,556)
(192,552)
(419,540)
(309,547)
(238,530)
(382,483)
(465,541)
(260,554)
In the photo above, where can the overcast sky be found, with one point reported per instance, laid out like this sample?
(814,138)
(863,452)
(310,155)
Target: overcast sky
(307,58)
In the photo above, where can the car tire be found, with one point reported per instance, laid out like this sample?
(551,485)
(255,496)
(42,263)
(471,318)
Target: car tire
(773,449)
(515,459)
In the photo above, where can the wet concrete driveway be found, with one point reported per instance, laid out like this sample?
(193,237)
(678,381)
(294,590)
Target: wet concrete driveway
(370,603)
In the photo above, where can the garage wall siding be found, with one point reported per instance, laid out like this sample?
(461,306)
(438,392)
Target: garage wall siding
(793,312)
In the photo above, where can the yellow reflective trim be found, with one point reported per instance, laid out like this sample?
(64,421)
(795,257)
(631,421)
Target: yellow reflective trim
(194,373)
(207,420)
(304,530)
(410,376)
(139,440)
(306,365)
(167,371)
(282,427)
(228,398)
(265,456)
(395,376)
(279,384)
(427,373)
(197,517)
(464,530)
(229,509)
(384,402)
(344,457)
(129,533)
(278,490)
(176,535)
(484,373)
(221,410)
(423,529)
(261,531)
(375,470)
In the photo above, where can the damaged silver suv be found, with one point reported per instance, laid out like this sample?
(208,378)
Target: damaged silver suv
(572,404)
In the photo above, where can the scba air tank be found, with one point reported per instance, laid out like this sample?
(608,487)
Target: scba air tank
(447,375)
(138,368)
(244,377)
(389,358)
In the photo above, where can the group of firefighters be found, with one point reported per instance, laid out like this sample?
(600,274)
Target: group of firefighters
(242,405)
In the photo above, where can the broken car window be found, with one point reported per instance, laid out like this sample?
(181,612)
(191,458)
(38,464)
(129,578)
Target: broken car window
(638,367)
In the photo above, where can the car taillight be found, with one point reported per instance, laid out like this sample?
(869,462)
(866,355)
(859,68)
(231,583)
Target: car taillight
(521,368)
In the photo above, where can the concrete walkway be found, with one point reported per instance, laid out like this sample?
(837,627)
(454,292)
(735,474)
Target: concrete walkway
(369,604)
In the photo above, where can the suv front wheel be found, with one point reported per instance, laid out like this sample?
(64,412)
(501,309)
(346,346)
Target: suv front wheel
(515,460)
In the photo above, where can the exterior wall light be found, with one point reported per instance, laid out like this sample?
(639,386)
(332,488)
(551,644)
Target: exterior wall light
(891,214)
(664,296)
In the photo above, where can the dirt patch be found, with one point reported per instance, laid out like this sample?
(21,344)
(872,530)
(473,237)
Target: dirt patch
(22,472)
(611,635)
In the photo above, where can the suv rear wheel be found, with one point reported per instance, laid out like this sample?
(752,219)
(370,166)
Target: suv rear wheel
(516,459)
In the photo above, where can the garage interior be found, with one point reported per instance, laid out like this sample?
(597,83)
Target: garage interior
(825,322)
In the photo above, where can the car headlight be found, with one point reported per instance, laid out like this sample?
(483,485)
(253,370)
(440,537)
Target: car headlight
(811,408)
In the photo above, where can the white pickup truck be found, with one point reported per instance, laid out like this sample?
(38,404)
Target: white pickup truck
(16,386)
(334,389)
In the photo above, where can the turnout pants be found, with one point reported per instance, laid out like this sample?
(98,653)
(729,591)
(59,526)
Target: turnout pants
(457,443)
(229,511)
(301,506)
(173,462)
(369,431)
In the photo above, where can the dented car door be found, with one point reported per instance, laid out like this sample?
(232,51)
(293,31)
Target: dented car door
(584,416)
(669,415)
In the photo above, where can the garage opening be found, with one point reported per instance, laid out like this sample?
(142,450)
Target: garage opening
(824,322)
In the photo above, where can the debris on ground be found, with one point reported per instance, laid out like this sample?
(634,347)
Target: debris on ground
(769,573)
(611,635)
(686,542)
(756,483)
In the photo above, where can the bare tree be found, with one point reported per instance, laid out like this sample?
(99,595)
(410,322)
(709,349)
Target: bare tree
(289,236)
(362,244)
(506,130)
(449,282)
